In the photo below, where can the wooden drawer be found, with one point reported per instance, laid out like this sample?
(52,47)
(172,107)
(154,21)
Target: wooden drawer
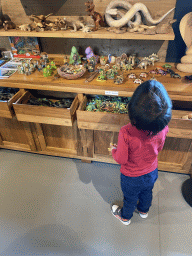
(6,107)
(178,127)
(99,120)
(44,115)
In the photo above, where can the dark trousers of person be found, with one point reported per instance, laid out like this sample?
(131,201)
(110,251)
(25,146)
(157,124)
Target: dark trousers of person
(137,188)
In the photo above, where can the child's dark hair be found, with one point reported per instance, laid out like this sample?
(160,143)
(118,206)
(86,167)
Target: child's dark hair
(150,108)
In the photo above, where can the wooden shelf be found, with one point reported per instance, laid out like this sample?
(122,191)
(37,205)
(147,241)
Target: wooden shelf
(100,34)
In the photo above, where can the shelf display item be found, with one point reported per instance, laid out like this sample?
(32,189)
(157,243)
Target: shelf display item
(74,57)
(113,11)
(119,79)
(6,73)
(102,76)
(138,81)
(185,28)
(153,58)
(89,54)
(71,71)
(132,76)
(40,21)
(143,74)
(144,63)
(25,47)
(111,59)
(97,18)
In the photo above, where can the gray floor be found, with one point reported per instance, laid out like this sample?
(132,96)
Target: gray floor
(59,206)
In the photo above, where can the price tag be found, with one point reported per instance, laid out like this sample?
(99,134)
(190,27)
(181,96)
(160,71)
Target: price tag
(113,93)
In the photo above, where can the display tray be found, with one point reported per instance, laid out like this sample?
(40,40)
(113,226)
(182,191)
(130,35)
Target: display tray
(44,114)
(6,107)
(102,121)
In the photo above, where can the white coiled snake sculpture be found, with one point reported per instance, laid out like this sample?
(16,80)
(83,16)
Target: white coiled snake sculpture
(133,10)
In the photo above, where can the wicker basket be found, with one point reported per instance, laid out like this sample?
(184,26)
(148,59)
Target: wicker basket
(71,76)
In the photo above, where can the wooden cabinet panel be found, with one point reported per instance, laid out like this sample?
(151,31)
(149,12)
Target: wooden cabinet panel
(57,139)
(16,135)
(176,155)
(6,107)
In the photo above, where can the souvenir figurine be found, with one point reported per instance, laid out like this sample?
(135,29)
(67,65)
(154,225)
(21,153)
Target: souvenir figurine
(119,79)
(115,69)
(144,63)
(153,71)
(128,66)
(39,67)
(65,60)
(153,58)
(90,68)
(98,20)
(103,60)
(143,74)
(74,58)
(167,66)
(110,74)
(89,54)
(111,59)
(132,76)
(53,66)
(138,81)
(102,76)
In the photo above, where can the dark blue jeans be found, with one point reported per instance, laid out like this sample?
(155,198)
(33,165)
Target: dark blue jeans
(137,188)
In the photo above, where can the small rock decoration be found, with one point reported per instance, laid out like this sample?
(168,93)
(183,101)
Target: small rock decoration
(110,104)
(7,93)
(63,103)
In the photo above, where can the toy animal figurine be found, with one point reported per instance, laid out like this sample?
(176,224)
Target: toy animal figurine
(40,21)
(119,79)
(89,54)
(7,24)
(153,57)
(25,27)
(144,62)
(98,20)
(74,57)
(133,12)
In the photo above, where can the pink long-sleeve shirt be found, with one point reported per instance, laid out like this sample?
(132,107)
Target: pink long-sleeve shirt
(136,152)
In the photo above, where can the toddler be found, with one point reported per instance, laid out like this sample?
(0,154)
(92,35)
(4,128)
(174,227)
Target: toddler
(139,143)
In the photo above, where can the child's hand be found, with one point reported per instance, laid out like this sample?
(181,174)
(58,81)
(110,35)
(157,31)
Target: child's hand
(112,146)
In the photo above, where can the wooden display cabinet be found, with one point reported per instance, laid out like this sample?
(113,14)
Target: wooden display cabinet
(86,135)
(14,134)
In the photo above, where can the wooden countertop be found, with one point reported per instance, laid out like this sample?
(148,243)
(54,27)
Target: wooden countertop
(177,89)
